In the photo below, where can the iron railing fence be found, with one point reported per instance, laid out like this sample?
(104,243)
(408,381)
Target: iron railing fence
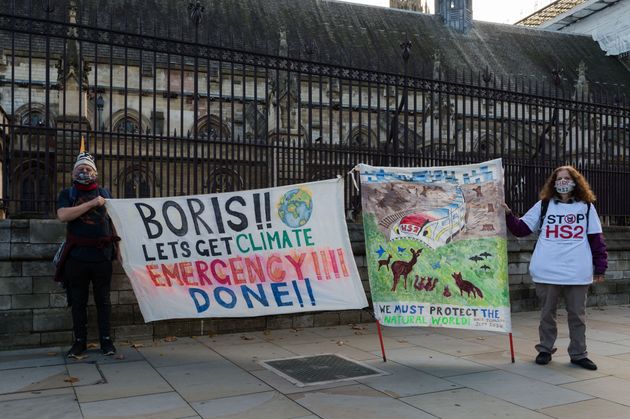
(167,116)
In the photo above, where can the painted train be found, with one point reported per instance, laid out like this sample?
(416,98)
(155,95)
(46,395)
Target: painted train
(435,227)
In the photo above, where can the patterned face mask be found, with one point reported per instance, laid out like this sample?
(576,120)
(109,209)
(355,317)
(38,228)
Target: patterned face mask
(85,178)
(564,186)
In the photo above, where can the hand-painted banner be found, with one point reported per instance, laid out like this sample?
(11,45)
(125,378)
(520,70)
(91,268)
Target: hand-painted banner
(241,254)
(436,245)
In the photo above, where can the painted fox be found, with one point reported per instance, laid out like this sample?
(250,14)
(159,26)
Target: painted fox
(467,286)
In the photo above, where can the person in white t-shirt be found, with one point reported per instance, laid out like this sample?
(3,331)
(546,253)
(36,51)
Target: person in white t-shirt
(570,254)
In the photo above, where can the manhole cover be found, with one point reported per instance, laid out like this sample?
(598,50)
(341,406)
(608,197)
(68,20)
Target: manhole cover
(320,369)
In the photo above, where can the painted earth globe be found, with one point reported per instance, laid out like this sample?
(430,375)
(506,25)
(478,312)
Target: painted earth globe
(295,208)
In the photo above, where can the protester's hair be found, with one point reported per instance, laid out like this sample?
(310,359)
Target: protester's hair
(582,191)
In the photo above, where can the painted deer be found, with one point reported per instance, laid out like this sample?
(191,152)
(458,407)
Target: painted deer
(385,262)
(402,268)
(467,286)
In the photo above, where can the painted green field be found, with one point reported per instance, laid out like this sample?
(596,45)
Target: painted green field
(487,270)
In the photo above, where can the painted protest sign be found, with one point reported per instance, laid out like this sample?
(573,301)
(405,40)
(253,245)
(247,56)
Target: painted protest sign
(436,245)
(250,253)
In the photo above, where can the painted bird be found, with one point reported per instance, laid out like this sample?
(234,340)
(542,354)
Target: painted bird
(485,267)
(485,254)
(475,258)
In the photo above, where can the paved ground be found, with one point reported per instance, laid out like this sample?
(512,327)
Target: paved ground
(431,373)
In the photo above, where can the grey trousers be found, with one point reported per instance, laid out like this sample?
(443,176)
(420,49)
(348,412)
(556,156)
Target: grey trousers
(575,299)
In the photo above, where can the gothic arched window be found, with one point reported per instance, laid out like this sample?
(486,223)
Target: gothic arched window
(33,119)
(32,189)
(137,184)
(127,125)
(224,180)
(211,128)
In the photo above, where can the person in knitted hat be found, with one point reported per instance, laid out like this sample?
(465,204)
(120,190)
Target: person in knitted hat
(88,252)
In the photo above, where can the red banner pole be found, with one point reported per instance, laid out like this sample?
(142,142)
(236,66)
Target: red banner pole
(380,337)
(511,347)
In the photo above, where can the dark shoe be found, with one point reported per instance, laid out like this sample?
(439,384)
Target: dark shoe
(585,363)
(543,358)
(107,346)
(78,347)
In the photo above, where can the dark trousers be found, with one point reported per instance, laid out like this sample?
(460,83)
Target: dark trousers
(78,276)
(575,300)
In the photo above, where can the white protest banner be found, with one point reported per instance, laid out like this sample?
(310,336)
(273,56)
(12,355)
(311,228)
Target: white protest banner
(436,245)
(239,254)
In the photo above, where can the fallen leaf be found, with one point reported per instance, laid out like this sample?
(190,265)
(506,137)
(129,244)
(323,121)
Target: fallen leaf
(92,345)
(51,353)
(355,327)
(70,379)
(480,338)
(170,339)
(120,356)
(244,337)
(267,332)
(137,345)
(340,342)
(80,357)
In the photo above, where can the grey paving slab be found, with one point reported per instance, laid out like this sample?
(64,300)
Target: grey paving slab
(606,336)
(36,393)
(624,342)
(249,356)
(522,346)
(155,406)
(36,378)
(372,343)
(403,381)
(465,403)
(346,330)
(124,379)
(563,363)
(595,347)
(266,405)
(589,409)
(168,354)
(523,391)
(434,363)
(231,339)
(124,353)
(450,345)
(614,389)
(211,380)
(296,336)
(32,358)
(356,401)
(554,373)
(85,374)
(58,406)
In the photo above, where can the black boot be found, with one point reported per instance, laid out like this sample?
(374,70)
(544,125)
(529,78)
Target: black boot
(78,347)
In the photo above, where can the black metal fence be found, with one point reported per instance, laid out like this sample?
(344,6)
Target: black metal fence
(165,116)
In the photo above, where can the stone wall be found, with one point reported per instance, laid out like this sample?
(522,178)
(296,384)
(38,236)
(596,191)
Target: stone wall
(33,308)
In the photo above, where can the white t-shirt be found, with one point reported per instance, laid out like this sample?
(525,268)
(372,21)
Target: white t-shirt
(562,255)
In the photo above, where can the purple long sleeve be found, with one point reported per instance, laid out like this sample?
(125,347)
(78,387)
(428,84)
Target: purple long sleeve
(517,226)
(600,254)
